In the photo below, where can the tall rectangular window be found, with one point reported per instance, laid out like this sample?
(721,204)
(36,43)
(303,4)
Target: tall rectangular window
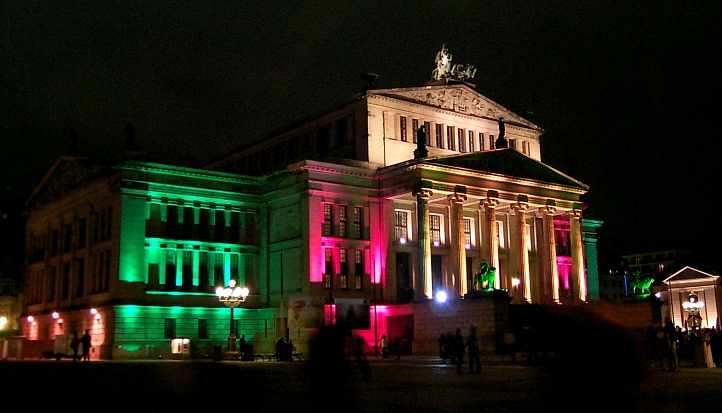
(171,224)
(235,226)
(402,123)
(218,269)
(220,225)
(359,269)
(203,281)
(415,128)
(234,267)
(471,141)
(481,141)
(450,138)
(105,282)
(187,270)
(204,224)
(462,140)
(401,226)
(328,260)
(169,331)
(491,142)
(501,237)
(51,285)
(79,277)
(170,269)
(468,239)
(525,147)
(327,220)
(435,224)
(152,225)
(82,232)
(439,136)
(512,144)
(202,328)
(188,224)
(66,281)
(67,238)
(357,225)
(427,129)
(343,268)
(153,275)
(342,221)
(109,227)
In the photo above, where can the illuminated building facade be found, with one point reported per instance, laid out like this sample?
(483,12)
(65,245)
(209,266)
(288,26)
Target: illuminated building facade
(333,212)
(692,299)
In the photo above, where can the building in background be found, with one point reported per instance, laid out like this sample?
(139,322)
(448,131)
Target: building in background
(345,217)
(655,263)
(692,299)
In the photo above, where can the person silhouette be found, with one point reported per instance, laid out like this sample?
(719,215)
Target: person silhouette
(74,344)
(85,341)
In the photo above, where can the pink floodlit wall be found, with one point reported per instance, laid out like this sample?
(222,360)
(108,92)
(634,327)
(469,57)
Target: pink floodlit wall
(315,254)
(372,336)
(564,270)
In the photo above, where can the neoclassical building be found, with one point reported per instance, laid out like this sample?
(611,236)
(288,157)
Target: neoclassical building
(345,209)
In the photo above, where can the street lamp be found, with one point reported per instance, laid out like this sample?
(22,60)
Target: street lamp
(232,296)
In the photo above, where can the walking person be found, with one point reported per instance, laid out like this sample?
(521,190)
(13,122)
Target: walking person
(85,341)
(473,344)
(384,347)
(459,350)
(671,335)
(74,344)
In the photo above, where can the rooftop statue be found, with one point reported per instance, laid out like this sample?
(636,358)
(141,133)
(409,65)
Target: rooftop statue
(501,141)
(443,64)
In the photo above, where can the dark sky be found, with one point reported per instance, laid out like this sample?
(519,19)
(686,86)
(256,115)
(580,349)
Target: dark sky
(627,92)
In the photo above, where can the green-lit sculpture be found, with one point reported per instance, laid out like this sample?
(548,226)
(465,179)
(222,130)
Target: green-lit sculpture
(641,284)
(485,278)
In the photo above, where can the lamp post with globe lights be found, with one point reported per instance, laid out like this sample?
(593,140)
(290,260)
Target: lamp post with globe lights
(232,296)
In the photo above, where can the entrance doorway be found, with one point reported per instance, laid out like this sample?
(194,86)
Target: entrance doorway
(437,275)
(403,276)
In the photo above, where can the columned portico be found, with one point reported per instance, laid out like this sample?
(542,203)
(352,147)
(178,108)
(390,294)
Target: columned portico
(423,285)
(578,277)
(491,253)
(550,253)
(458,244)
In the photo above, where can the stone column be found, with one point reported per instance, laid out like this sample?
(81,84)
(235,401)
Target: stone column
(491,254)
(578,277)
(423,285)
(551,251)
(520,209)
(458,242)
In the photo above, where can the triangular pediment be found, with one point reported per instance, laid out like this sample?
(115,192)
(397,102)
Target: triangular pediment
(459,98)
(688,274)
(67,174)
(508,162)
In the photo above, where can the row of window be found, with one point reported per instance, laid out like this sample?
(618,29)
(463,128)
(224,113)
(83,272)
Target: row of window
(200,224)
(43,285)
(72,236)
(212,267)
(340,276)
(325,140)
(455,138)
(402,229)
(336,221)
(169,330)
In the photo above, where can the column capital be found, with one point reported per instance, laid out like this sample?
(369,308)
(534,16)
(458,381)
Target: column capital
(520,207)
(489,203)
(457,198)
(575,213)
(423,193)
(547,210)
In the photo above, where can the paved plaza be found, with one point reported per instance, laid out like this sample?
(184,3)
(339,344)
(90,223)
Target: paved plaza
(411,384)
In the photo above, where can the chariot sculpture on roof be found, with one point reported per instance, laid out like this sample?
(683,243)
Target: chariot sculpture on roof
(444,69)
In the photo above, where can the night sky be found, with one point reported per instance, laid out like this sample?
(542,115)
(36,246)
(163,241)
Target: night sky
(627,92)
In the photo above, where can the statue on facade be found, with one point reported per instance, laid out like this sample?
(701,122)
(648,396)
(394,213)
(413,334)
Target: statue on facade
(421,151)
(501,141)
(484,279)
(641,284)
(443,64)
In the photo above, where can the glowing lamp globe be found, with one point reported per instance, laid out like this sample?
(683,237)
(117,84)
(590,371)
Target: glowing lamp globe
(402,240)
(219,291)
(515,282)
(441,296)
(436,243)
(30,319)
(93,311)
(55,315)
(3,322)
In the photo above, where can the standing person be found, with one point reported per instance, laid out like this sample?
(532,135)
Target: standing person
(671,335)
(74,344)
(459,350)
(384,347)
(473,344)
(85,341)
(280,348)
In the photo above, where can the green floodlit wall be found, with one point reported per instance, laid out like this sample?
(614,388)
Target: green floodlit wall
(590,227)
(132,239)
(140,330)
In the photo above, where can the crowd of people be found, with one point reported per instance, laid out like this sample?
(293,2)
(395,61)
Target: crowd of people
(668,344)
(453,348)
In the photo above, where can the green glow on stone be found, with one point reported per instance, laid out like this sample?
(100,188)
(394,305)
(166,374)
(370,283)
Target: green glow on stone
(179,293)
